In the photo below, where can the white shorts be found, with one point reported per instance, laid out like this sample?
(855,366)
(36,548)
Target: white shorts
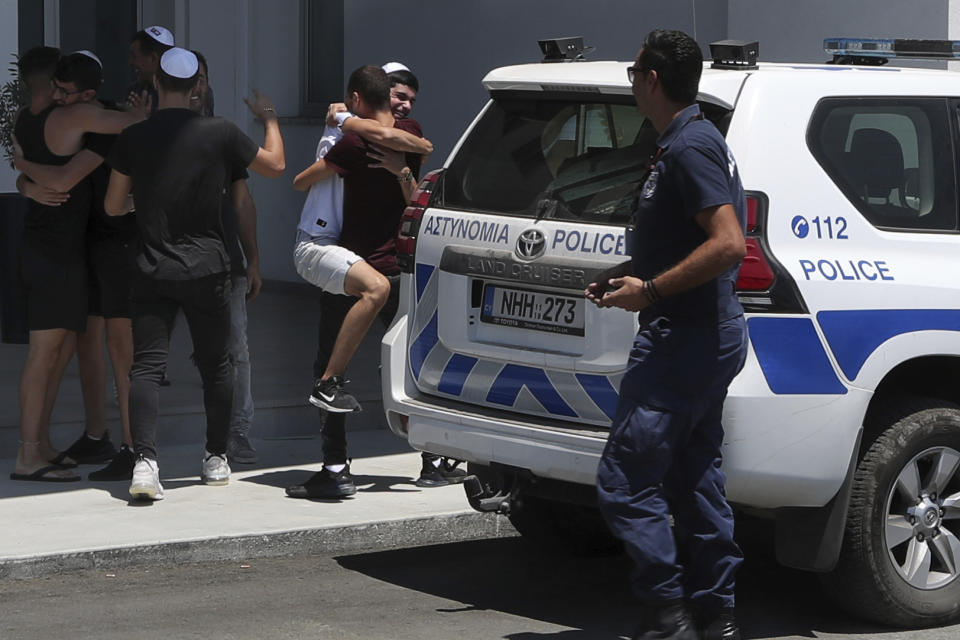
(323,265)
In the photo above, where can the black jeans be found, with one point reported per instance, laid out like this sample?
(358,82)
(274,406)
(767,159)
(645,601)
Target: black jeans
(206,305)
(333,309)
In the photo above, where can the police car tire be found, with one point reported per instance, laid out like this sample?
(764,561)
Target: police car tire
(865,581)
(560,527)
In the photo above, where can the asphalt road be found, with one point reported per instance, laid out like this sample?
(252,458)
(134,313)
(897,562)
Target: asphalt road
(484,589)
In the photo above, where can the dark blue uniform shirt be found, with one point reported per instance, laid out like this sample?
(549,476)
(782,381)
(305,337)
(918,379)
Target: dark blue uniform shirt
(695,171)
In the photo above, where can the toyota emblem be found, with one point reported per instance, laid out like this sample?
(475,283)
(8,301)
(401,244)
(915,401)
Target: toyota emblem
(531,244)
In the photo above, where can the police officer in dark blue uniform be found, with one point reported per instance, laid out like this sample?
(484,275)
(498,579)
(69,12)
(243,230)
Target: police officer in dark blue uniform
(662,456)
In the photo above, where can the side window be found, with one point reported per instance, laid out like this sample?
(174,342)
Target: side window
(892,157)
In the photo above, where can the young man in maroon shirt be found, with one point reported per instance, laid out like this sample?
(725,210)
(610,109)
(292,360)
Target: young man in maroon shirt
(373,201)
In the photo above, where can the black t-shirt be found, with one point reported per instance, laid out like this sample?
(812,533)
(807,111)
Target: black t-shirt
(181,165)
(231,230)
(102,226)
(61,228)
(372,199)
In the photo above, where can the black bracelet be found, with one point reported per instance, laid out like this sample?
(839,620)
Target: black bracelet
(653,289)
(648,292)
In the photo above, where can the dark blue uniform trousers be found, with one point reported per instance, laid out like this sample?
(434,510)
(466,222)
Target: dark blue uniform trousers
(662,458)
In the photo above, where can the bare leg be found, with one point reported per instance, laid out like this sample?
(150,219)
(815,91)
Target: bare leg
(373,289)
(40,367)
(67,349)
(93,375)
(120,347)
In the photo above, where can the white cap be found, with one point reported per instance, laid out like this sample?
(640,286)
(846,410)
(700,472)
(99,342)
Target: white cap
(390,67)
(89,54)
(160,34)
(179,63)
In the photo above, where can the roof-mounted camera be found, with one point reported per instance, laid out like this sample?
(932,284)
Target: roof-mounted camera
(564,49)
(734,54)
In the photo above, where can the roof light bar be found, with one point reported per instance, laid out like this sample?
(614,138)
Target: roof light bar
(885,48)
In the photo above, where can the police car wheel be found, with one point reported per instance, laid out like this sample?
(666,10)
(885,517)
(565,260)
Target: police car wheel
(560,527)
(900,562)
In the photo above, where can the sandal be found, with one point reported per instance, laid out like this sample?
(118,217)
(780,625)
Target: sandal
(40,475)
(59,461)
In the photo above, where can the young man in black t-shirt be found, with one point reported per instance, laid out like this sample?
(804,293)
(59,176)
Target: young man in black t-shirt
(178,165)
(52,254)
(240,236)
(109,243)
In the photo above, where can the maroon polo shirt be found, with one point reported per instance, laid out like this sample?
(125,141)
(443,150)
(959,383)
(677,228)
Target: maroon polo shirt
(372,199)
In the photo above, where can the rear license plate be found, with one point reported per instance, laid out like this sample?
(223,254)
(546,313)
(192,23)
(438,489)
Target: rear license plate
(538,310)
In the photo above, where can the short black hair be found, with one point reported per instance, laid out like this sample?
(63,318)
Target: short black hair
(403,76)
(371,82)
(203,62)
(173,84)
(149,44)
(678,61)
(37,66)
(80,69)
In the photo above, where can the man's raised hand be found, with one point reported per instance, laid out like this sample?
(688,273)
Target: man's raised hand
(261,107)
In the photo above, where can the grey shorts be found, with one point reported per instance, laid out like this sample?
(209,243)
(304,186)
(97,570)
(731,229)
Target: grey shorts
(323,265)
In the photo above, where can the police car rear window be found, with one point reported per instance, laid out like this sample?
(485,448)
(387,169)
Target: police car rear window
(893,158)
(575,159)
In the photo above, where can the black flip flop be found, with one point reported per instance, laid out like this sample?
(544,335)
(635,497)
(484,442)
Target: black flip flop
(59,461)
(40,475)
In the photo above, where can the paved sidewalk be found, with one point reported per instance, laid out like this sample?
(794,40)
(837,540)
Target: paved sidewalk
(48,528)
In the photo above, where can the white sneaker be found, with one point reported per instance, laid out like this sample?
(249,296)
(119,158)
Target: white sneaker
(215,469)
(146,480)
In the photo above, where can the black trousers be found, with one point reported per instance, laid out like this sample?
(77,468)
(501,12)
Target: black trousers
(333,309)
(206,306)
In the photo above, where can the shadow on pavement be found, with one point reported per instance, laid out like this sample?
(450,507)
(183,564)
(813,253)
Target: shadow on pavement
(592,595)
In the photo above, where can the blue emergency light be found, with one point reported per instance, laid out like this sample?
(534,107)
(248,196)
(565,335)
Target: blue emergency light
(880,50)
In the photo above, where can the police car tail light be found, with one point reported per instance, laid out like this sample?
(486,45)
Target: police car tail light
(755,271)
(410,221)
(763,284)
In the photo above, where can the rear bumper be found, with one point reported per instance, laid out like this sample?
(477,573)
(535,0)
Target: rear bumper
(797,456)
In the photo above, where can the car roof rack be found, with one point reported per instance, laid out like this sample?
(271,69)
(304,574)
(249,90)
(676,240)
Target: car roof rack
(879,51)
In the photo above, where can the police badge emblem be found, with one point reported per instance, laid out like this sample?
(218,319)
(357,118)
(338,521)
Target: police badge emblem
(650,186)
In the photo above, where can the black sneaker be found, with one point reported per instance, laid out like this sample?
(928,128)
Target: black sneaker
(325,484)
(120,468)
(88,451)
(446,473)
(329,394)
(240,450)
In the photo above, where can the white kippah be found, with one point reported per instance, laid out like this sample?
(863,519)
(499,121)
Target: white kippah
(179,63)
(390,67)
(89,54)
(160,34)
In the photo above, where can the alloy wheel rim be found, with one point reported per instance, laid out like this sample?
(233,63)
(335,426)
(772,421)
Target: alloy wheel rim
(922,529)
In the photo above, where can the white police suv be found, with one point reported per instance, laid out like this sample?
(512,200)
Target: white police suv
(843,427)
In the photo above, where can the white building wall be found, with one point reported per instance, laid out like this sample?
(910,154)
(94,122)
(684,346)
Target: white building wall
(452,45)
(9,44)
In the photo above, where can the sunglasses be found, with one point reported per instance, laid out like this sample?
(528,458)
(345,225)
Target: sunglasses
(57,89)
(632,72)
